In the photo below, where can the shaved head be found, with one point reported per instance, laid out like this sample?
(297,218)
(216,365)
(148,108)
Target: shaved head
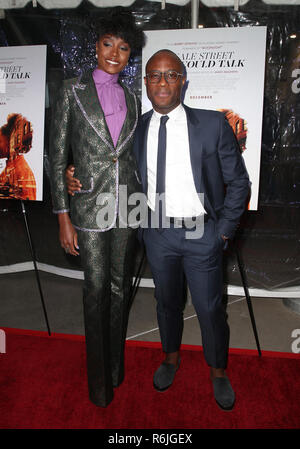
(169,53)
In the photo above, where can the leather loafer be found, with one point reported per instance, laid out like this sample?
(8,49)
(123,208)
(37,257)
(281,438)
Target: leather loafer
(223,392)
(164,376)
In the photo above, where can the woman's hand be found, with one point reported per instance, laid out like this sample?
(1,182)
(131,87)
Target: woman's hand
(67,235)
(73,184)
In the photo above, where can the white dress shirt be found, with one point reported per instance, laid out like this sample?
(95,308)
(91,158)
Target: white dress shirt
(182,199)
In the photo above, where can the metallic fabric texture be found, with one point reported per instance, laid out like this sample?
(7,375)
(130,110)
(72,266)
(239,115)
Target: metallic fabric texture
(106,249)
(107,259)
(78,121)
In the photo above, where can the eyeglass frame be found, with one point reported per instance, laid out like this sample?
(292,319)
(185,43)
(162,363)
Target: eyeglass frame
(163,73)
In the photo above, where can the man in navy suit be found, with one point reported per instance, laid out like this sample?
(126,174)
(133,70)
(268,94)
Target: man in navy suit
(181,153)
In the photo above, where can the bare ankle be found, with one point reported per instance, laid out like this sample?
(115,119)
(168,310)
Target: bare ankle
(172,357)
(217,372)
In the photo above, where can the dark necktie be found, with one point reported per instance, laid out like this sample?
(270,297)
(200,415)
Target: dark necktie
(161,156)
(161,168)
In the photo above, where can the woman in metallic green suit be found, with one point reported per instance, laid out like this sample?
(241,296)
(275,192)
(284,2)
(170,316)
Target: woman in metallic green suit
(96,116)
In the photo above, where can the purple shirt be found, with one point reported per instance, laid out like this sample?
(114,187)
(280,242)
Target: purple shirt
(112,99)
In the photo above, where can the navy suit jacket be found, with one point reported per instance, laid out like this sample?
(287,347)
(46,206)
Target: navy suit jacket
(217,165)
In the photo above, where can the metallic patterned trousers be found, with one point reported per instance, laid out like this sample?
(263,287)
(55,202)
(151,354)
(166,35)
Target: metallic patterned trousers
(107,260)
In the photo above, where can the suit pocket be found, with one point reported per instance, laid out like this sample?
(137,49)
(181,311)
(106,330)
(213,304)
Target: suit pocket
(87,183)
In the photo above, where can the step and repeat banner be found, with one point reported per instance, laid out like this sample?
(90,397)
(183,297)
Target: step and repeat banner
(225,63)
(225,71)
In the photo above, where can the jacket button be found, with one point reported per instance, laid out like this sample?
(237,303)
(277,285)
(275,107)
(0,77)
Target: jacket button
(115,159)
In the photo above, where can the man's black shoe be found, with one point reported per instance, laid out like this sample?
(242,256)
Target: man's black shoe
(164,376)
(223,392)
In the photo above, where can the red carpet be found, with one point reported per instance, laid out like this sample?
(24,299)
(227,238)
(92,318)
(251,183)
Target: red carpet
(43,386)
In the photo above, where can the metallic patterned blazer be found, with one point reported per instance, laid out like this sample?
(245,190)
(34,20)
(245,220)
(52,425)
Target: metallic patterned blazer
(78,123)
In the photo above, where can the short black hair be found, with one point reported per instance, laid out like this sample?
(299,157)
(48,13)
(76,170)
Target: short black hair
(170,53)
(122,24)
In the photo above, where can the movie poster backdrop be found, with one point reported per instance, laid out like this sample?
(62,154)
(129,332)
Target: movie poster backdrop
(225,72)
(22,109)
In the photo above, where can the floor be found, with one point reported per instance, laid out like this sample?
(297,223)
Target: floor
(21,307)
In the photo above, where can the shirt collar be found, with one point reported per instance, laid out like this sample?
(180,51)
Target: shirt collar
(101,77)
(176,114)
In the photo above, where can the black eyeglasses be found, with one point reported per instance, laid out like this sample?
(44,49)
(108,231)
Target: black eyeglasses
(171,76)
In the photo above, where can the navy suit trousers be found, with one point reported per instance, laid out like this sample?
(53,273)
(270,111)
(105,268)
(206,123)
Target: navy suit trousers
(173,258)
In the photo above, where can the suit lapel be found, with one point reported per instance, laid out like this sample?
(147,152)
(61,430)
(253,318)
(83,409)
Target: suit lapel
(196,144)
(143,137)
(130,121)
(197,132)
(87,99)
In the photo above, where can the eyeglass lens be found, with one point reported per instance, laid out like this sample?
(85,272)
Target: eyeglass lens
(171,76)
